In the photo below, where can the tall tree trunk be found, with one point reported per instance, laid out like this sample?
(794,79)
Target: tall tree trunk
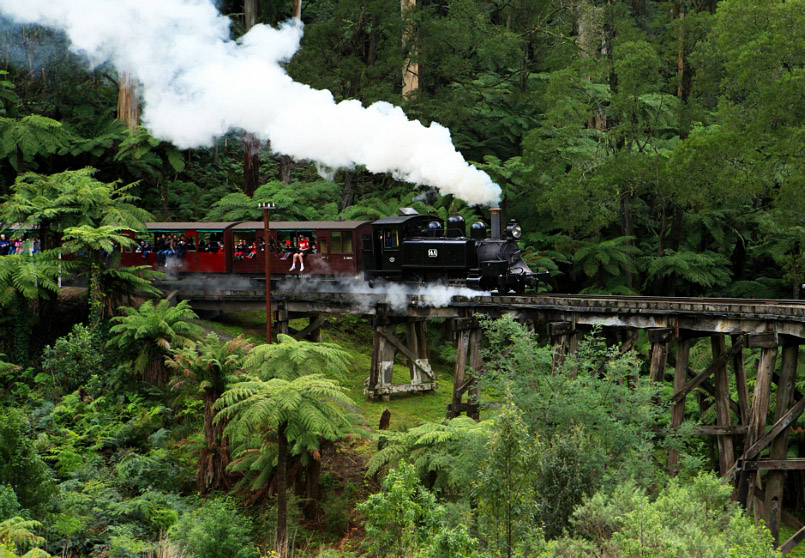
(678,12)
(282,486)
(286,165)
(410,69)
(211,473)
(249,14)
(349,190)
(251,145)
(128,105)
(626,226)
(251,164)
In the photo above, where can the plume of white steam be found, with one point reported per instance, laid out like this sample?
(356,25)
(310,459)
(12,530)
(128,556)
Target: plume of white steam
(197,84)
(396,295)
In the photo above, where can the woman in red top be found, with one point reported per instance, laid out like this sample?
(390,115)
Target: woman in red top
(304,248)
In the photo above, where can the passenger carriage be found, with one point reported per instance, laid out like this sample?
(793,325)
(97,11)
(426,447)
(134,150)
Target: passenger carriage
(335,244)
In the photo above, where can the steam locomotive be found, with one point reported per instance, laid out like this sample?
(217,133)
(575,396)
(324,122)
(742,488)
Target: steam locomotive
(419,248)
(410,248)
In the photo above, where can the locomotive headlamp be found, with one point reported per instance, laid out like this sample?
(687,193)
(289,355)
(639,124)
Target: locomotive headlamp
(513,230)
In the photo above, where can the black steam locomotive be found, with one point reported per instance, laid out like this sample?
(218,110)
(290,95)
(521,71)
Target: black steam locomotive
(420,248)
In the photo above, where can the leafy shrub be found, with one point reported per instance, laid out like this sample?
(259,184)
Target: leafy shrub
(404,519)
(570,470)
(688,518)
(9,506)
(156,470)
(21,467)
(596,388)
(74,358)
(505,484)
(215,530)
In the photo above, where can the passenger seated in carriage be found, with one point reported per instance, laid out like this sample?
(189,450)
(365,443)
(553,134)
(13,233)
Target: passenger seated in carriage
(304,249)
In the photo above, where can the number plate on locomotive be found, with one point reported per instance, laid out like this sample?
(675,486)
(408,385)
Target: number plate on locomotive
(433,253)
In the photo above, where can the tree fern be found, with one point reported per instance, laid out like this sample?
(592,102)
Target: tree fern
(18,531)
(205,369)
(706,269)
(290,359)
(70,199)
(22,140)
(306,408)
(30,277)
(447,453)
(148,333)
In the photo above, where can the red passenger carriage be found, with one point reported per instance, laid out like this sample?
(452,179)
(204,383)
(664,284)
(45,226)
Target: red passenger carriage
(213,247)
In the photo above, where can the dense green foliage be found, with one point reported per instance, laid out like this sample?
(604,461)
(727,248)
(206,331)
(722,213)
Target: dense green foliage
(215,530)
(404,519)
(21,466)
(646,147)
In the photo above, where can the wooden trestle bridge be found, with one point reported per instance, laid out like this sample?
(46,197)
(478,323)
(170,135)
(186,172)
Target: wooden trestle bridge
(752,450)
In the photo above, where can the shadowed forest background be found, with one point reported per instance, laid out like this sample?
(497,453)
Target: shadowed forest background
(646,147)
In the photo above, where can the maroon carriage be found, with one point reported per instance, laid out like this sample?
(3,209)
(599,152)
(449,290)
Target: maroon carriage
(227,247)
(183,247)
(335,247)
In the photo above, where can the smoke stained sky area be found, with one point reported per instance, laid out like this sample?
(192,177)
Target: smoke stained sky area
(198,84)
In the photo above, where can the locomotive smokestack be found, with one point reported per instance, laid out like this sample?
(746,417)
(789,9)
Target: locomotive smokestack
(495,223)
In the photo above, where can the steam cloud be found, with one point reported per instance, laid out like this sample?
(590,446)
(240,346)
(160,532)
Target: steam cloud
(197,84)
(397,296)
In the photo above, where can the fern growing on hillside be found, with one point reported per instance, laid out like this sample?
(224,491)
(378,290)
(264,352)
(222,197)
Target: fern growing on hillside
(289,359)
(28,137)
(207,368)
(148,334)
(706,269)
(298,412)
(445,455)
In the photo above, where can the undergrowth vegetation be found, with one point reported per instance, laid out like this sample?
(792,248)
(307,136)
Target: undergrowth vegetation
(566,462)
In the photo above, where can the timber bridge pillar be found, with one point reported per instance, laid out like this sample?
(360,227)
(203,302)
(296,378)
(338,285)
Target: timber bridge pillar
(412,343)
(468,336)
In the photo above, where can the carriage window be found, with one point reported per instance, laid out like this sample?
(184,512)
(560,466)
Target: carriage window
(341,241)
(191,243)
(390,238)
(286,239)
(212,242)
(324,245)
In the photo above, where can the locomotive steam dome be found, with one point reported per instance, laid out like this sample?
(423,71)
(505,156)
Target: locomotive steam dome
(478,230)
(456,226)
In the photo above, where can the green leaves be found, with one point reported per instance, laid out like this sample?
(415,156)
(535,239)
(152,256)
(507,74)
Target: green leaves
(305,403)
(150,153)
(290,359)
(403,519)
(30,136)
(613,257)
(147,334)
(450,451)
(707,269)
